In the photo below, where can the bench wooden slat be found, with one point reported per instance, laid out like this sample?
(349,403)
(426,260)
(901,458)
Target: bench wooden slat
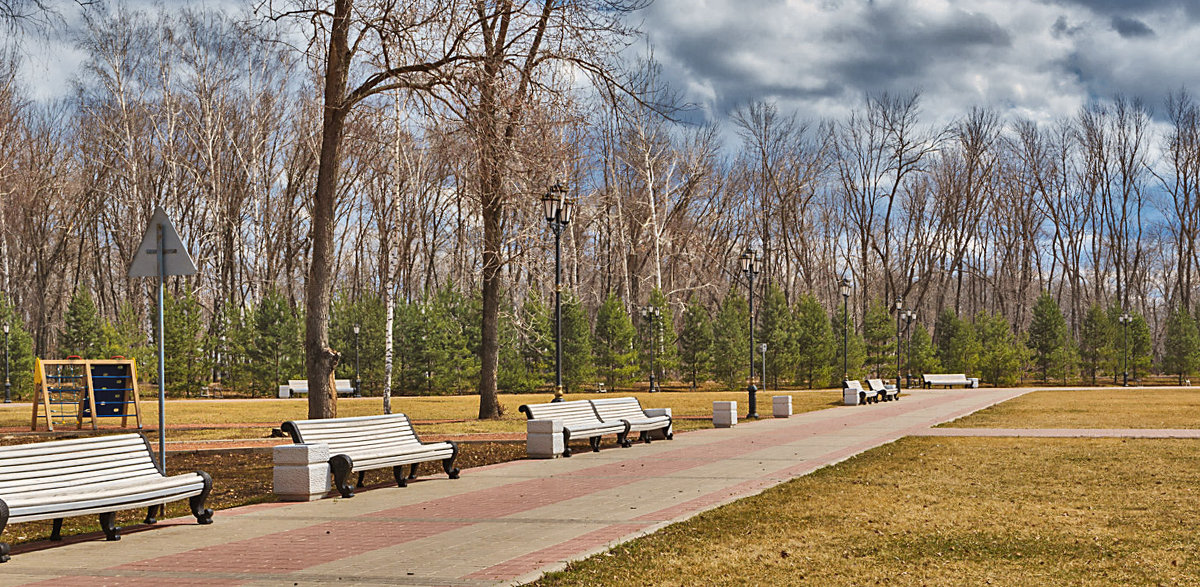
(629,410)
(95,475)
(579,419)
(363,443)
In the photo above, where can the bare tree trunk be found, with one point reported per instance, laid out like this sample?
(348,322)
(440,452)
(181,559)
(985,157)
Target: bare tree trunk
(320,360)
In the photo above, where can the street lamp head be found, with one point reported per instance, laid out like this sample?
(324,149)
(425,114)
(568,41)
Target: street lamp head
(568,209)
(6,328)
(356,329)
(746,260)
(845,287)
(555,205)
(899,304)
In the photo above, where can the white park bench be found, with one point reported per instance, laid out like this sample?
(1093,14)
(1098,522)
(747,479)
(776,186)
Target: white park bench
(629,409)
(97,475)
(885,390)
(300,387)
(853,394)
(364,443)
(578,419)
(949,379)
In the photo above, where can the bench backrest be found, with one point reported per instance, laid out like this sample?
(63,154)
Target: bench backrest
(356,436)
(573,412)
(619,408)
(945,378)
(855,385)
(74,463)
(343,386)
(298,385)
(876,384)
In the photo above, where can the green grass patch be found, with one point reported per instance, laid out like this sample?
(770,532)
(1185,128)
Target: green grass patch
(1105,408)
(942,511)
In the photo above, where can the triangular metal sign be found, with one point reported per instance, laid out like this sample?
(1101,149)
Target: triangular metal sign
(176,260)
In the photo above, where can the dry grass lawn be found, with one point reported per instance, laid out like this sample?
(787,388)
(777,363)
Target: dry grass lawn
(458,413)
(1108,408)
(938,511)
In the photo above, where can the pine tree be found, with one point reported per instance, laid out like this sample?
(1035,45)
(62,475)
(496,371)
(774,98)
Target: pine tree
(82,334)
(126,337)
(922,354)
(776,328)
(1140,348)
(368,314)
(666,355)
(20,352)
(1000,353)
(275,353)
(855,349)
(526,348)
(879,333)
(187,365)
(1095,340)
(613,344)
(961,353)
(696,343)
(1049,339)
(578,367)
(1181,347)
(731,339)
(814,341)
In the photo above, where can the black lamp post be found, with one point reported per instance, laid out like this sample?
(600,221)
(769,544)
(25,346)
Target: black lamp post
(899,310)
(845,288)
(7,382)
(1125,319)
(909,316)
(751,267)
(557,208)
(651,315)
(357,381)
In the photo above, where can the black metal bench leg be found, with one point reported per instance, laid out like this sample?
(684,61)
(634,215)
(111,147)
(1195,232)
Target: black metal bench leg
(644,436)
(622,440)
(342,466)
(595,442)
(196,502)
(56,530)
(152,514)
(667,433)
(398,473)
(108,523)
(412,471)
(448,463)
(566,443)
(4,548)
(361,474)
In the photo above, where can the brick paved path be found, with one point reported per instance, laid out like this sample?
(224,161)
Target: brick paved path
(499,524)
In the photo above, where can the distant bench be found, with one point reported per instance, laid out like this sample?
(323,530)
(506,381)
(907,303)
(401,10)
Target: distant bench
(948,380)
(300,387)
(574,419)
(97,475)
(853,394)
(371,442)
(887,392)
(629,409)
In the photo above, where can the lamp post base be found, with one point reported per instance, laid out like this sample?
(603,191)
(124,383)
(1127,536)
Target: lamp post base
(558,395)
(752,414)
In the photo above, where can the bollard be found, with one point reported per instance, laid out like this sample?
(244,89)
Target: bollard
(724,414)
(781,406)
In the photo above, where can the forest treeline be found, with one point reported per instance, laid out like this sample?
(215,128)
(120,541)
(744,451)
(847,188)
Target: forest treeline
(219,122)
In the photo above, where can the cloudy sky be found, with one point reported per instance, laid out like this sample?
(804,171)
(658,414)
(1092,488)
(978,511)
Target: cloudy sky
(1035,58)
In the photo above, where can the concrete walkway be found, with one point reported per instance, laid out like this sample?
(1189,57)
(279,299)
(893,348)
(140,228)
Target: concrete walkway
(500,524)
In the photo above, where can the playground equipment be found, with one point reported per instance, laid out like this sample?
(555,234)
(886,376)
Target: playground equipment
(69,390)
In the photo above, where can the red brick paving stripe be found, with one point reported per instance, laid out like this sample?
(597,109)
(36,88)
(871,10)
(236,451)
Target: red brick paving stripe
(572,548)
(294,550)
(76,580)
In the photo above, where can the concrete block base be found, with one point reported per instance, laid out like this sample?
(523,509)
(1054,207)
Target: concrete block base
(301,472)
(544,439)
(849,396)
(724,414)
(781,406)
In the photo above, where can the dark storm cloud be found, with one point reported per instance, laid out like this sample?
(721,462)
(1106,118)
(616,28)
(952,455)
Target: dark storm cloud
(1035,58)
(1131,27)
